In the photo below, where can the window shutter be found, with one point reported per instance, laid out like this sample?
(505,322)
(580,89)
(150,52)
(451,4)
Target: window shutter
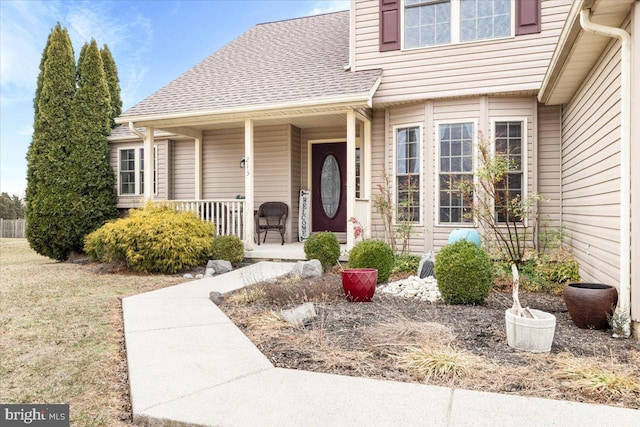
(528,13)
(389,25)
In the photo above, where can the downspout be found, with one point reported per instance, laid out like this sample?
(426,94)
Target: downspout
(623,309)
(135,131)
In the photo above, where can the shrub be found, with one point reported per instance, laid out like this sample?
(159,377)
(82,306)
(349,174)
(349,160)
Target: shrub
(324,247)
(373,254)
(229,248)
(155,239)
(406,263)
(549,272)
(464,273)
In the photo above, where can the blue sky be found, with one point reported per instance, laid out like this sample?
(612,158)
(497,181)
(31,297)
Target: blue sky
(152,42)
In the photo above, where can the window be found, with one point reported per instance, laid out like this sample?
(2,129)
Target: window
(408,174)
(434,22)
(455,167)
(131,165)
(509,141)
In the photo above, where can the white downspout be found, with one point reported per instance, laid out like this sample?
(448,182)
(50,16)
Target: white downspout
(623,309)
(135,131)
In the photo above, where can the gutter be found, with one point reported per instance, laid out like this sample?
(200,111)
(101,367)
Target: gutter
(623,308)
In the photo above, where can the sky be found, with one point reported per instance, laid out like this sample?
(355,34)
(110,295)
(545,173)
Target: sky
(152,43)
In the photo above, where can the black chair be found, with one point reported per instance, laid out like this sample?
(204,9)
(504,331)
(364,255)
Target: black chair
(271,216)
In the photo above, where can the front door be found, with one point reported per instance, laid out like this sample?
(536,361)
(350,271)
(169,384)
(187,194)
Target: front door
(328,187)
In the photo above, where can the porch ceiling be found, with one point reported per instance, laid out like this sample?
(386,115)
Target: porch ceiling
(577,51)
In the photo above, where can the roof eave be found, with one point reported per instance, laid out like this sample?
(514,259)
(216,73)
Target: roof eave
(260,110)
(567,38)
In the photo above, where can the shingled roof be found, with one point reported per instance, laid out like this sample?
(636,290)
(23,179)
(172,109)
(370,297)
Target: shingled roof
(279,62)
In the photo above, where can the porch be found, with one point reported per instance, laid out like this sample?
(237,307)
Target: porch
(223,171)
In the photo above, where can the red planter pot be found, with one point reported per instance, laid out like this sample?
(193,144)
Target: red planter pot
(589,304)
(359,284)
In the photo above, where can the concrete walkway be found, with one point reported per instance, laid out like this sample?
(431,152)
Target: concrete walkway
(190,365)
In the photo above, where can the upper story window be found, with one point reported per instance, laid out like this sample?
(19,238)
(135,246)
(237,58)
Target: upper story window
(434,22)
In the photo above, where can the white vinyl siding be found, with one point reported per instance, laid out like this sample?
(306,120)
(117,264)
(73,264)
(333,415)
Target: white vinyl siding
(473,68)
(591,170)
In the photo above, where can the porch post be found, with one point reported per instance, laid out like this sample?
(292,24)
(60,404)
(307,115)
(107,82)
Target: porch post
(148,164)
(248,185)
(198,167)
(351,175)
(366,165)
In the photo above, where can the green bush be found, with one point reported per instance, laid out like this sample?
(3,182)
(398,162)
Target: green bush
(406,263)
(549,272)
(229,248)
(464,273)
(373,254)
(324,247)
(155,239)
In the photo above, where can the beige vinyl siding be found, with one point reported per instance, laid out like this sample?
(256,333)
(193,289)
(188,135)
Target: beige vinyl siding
(162,169)
(471,68)
(549,163)
(183,170)
(378,165)
(272,170)
(222,150)
(591,172)
(296,180)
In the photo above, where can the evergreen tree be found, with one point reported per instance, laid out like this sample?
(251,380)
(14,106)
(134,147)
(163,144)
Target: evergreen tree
(111,73)
(11,207)
(48,230)
(90,174)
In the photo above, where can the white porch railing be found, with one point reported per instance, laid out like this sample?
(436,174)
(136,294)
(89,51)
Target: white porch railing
(226,214)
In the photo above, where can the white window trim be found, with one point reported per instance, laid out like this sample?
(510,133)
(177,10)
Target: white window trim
(455,28)
(525,152)
(436,131)
(420,127)
(136,156)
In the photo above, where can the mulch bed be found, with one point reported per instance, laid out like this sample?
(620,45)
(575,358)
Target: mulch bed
(365,339)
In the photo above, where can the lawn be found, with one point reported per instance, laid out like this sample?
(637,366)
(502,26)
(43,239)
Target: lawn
(62,334)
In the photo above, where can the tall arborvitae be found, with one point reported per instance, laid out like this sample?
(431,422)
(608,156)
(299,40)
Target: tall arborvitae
(111,72)
(48,231)
(91,175)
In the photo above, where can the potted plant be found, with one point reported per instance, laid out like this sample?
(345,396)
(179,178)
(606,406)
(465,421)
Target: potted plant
(370,263)
(528,329)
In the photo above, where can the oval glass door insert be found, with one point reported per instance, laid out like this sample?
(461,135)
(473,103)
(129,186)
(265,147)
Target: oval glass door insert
(330,186)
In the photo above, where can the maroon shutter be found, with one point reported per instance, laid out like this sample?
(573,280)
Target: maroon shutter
(528,17)
(389,25)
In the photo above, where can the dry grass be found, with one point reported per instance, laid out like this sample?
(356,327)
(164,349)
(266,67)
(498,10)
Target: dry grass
(424,362)
(62,336)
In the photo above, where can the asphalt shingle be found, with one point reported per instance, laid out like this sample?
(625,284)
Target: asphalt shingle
(287,61)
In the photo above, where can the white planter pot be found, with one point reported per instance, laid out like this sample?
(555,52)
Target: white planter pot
(527,334)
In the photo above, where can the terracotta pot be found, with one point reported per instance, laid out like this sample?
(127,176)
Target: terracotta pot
(359,284)
(589,304)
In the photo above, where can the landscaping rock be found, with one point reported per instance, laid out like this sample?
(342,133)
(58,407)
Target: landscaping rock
(300,315)
(188,276)
(414,287)
(209,272)
(425,269)
(216,297)
(220,266)
(199,276)
(307,269)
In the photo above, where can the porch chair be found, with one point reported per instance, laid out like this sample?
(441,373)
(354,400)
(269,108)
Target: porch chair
(271,216)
